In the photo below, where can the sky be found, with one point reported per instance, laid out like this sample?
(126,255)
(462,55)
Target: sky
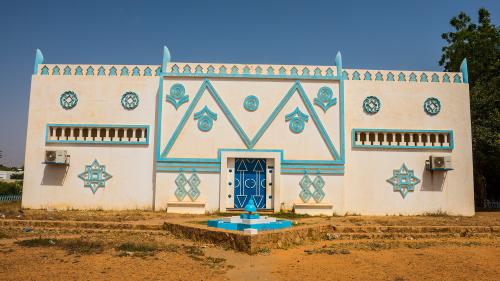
(381,34)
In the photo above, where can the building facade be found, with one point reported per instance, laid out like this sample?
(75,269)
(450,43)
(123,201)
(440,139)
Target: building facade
(203,137)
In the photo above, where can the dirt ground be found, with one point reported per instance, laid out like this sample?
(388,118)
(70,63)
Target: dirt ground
(116,255)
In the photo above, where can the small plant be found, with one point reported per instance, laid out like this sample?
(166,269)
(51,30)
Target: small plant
(137,247)
(438,213)
(37,242)
(193,251)
(79,246)
(330,250)
(263,251)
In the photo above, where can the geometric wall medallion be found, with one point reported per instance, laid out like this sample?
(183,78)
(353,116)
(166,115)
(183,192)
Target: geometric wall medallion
(251,103)
(297,120)
(94,176)
(325,99)
(371,105)
(177,95)
(130,100)
(205,119)
(403,180)
(193,191)
(432,106)
(317,193)
(68,100)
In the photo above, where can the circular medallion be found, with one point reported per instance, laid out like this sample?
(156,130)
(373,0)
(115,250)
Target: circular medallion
(296,125)
(205,123)
(130,100)
(68,100)
(325,94)
(177,91)
(371,105)
(251,103)
(432,106)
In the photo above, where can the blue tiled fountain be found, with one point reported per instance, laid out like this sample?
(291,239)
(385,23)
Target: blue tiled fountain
(251,222)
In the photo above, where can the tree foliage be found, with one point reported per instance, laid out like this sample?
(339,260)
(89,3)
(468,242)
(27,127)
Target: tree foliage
(480,44)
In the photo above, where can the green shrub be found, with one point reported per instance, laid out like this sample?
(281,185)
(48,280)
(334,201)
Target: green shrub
(11,188)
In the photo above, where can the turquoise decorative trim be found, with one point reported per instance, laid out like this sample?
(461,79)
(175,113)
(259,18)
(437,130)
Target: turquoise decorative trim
(371,105)
(432,106)
(251,103)
(130,100)
(205,119)
(345,75)
(207,86)
(379,77)
(67,70)
(177,95)
(147,71)
(38,60)
(95,176)
(355,75)
(296,119)
(158,71)
(317,194)
(136,71)
(423,77)
(68,100)
(56,70)
(390,76)
(325,99)
(401,77)
(45,70)
(413,77)
(198,69)
(411,144)
(101,71)
(124,71)
(457,79)
(403,180)
(367,76)
(90,71)
(435,78)
(79,70)
(112,71)
(91,139)
(464,70)
(446,78)
(333,167)
(181,181)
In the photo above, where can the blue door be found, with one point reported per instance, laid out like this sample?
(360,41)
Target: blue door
(250,182)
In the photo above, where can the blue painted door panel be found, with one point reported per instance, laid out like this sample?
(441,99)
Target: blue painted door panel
(250,181)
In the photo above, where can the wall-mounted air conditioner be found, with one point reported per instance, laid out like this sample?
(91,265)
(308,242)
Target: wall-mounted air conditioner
(56,157)
(439,163)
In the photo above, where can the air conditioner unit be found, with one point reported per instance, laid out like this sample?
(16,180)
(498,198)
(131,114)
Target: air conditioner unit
(56,157)
(439,163)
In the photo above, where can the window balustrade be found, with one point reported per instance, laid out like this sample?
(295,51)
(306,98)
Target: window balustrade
(405,139)
(112,134)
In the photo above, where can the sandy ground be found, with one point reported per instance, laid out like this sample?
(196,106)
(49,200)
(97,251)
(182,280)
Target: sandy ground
(446,262)
(171,258)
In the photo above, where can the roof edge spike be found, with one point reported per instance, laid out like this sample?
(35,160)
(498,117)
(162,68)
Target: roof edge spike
(38,60)
(465,71)
(338,63)
(166,59)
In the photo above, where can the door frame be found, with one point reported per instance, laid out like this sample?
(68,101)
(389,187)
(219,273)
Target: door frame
(227,177)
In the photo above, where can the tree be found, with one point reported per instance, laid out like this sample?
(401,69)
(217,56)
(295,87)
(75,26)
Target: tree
(480,44)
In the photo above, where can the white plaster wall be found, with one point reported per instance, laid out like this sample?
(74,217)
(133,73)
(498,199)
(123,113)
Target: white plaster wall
(366,190)
(209,190)
(47,186)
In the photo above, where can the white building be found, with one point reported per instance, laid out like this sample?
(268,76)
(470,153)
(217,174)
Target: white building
(203,137)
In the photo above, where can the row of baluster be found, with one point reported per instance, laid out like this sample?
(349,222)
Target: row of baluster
(89,134)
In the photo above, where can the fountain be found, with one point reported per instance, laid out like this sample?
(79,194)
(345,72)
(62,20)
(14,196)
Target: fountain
(251,222)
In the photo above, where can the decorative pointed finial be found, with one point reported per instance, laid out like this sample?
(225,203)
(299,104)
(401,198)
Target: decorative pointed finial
(166,59)
(38,60)
(338,63)
(250,207)
(465,71)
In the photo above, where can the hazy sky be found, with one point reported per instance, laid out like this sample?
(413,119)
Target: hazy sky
(370,34)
